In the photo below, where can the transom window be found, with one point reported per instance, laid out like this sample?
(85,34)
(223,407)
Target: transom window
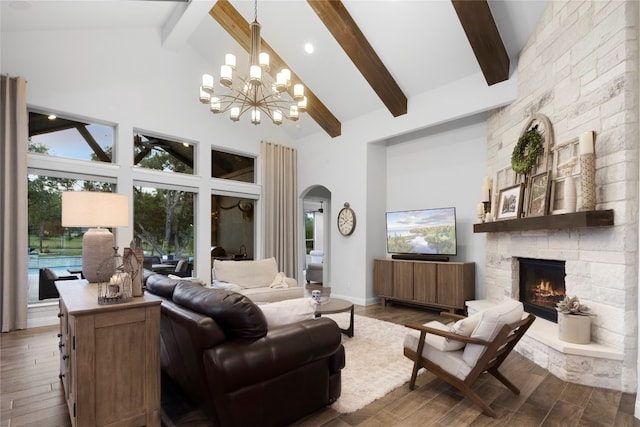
(66,137)
(162,154)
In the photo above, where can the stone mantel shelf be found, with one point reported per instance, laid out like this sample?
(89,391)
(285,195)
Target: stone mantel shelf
(582,219)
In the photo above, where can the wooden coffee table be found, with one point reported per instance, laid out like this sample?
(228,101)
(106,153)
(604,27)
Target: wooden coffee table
(336,305)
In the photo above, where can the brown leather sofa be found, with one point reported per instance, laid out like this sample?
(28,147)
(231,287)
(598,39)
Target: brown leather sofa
(216,346)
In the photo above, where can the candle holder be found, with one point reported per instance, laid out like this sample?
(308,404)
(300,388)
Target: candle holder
(588,172)
(114,282)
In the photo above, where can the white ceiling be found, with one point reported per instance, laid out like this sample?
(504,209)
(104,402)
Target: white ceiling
(421,42)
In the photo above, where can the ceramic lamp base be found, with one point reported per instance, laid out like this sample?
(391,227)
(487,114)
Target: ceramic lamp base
(97,245)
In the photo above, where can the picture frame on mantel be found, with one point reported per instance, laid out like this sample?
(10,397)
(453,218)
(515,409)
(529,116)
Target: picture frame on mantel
(538,194)
(510,202)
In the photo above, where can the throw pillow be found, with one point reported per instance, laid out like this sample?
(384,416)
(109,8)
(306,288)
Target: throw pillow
(218,284)
(189,279)
(467,325)
(279,281)
(441,343)
(288,311)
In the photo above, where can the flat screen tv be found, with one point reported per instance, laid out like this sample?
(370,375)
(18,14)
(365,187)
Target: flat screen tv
(422,233)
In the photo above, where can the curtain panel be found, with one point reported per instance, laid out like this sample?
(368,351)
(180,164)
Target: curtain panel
(280,189)
(14,129)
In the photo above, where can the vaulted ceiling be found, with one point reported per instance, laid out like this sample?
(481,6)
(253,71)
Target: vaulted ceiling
(369,54)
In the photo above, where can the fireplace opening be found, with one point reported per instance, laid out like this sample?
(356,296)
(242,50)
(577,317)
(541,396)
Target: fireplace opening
(542,286)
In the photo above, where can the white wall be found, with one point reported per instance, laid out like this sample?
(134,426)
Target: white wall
(443,167)
(354,170)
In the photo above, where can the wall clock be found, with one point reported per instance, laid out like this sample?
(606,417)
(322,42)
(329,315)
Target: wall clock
(346,220)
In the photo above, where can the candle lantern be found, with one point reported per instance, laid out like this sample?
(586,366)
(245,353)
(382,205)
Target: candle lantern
(114,281)
(588,171)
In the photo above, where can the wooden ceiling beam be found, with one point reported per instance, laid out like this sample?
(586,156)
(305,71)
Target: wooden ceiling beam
(347,33)
(231,20)
(484,37)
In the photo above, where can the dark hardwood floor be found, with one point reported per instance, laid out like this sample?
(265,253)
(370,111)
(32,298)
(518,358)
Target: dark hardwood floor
(31,394)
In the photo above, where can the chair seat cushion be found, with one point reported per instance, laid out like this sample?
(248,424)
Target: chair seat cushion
(450,361)
(493,319)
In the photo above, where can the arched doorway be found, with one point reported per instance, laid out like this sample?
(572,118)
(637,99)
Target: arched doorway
(315,241)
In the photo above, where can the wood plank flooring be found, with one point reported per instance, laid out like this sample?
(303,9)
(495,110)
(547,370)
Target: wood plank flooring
(31,394)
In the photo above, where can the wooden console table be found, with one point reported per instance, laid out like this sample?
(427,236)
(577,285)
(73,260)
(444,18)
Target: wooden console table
(109,357)
(428,283)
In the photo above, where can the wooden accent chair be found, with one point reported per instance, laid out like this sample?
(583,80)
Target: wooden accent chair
(459,353)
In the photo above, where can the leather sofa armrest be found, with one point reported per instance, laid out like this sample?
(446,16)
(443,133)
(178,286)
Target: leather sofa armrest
(238,363)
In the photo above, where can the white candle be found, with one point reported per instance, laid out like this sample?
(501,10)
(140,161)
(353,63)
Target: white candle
(485,193)
(487,181)
(586,143)
(480,208)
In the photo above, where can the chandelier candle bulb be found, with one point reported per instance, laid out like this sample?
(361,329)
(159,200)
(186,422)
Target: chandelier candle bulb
(234,114)
(230,60)
(277,117)
(215,105)
(298,92)
(255,117)
(255,74)
(586,143)
(264,60)
(293,113)
(207,83)
(205,97)
(226,75)
(302,105)
(286,74)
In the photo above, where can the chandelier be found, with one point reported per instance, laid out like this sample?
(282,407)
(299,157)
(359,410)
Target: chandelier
(256,92)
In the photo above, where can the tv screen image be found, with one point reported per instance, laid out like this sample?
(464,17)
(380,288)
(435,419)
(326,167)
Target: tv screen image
(423,231)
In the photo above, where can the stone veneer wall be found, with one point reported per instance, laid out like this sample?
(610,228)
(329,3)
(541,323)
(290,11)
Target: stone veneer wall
(579,68)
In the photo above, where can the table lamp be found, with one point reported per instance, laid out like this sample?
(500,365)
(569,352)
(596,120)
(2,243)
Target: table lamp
(95,210)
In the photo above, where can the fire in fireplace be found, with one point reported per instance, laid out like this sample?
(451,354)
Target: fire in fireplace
(542,286)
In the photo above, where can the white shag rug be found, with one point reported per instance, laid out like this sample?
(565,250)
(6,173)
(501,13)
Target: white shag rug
(375,364)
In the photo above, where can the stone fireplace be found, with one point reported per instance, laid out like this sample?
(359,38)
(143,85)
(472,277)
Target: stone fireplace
(541,286)
(568,73)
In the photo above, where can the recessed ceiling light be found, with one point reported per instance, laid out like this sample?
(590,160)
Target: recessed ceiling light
(20,4)
(308,47)
(51,117)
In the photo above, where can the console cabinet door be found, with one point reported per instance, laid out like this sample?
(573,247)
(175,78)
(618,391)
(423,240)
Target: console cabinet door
(456,283)
(424,282)
(403,280)
(383,277)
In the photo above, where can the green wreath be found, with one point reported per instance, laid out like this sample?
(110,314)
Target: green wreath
(532,139)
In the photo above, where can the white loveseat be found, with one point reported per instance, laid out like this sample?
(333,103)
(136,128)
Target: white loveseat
(259,280)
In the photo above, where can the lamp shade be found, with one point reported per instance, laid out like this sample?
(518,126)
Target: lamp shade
(94,209)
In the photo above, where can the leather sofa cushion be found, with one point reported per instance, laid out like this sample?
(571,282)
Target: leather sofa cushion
(236,314)
(161,285)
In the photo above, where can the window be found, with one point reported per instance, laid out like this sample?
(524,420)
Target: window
(163,222)
(162,154)
(309,232)
(65,137)
(232,226)
(232,166)
(51,245)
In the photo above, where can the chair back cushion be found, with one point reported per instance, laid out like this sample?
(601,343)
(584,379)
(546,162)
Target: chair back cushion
(493,319)
(246,274)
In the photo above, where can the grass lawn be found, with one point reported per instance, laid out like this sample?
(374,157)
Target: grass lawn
(51,246)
